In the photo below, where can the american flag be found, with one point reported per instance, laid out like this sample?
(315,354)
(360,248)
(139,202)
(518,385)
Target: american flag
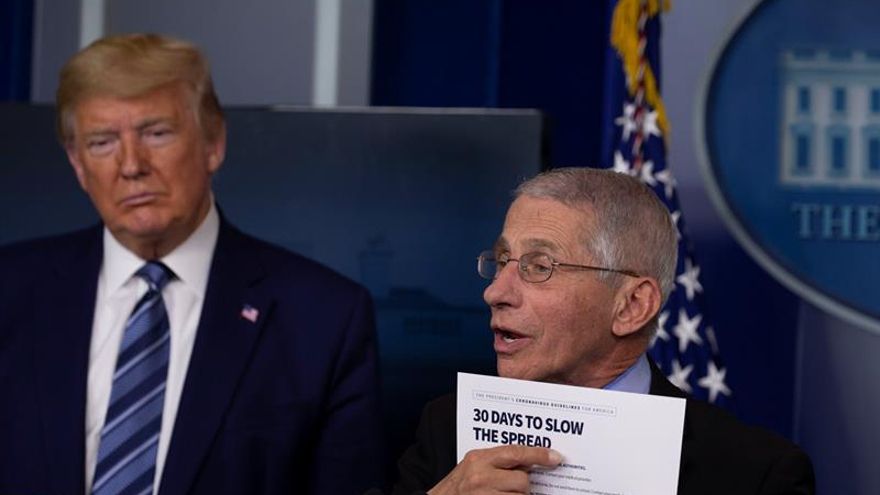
(634,142)
(250,313)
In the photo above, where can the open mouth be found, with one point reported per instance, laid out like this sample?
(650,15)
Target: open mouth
(508,337)
(508,341)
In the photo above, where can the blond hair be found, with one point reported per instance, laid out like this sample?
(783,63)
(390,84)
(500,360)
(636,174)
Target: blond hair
(132,65)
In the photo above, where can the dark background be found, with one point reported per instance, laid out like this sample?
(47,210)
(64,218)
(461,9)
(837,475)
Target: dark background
(488,53)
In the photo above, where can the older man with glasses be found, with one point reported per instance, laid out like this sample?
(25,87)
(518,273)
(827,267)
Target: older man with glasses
(578,275)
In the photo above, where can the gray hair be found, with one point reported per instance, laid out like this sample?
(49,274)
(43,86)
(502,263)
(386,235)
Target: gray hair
(633,229)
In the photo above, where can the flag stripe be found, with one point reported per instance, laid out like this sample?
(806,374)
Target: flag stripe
(634,134)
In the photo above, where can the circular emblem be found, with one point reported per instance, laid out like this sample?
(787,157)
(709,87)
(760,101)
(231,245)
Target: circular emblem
(789,136)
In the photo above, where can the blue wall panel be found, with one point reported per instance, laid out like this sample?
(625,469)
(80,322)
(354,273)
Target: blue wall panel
(16,33)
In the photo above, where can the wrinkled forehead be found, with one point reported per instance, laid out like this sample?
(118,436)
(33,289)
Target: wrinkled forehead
(546,225)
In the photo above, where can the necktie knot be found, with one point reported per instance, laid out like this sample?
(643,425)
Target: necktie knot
(156,274)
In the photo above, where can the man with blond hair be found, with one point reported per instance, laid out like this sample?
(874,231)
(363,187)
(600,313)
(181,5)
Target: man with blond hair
(578,275)
(164,351)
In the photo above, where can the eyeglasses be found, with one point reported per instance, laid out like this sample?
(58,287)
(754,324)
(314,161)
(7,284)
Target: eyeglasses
(533,267)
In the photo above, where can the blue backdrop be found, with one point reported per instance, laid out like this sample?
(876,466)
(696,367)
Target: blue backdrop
(484,53)
(551,56)
(16,33)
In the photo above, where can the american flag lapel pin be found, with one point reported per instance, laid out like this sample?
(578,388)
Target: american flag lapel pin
(250,313)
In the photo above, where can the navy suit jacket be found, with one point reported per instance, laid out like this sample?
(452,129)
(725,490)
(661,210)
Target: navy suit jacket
(285,404)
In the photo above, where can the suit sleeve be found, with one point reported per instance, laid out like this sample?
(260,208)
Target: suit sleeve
(348,451)
(432,456)
(791,474)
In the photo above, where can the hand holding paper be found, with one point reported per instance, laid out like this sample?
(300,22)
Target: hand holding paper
(497,469)
(605,437)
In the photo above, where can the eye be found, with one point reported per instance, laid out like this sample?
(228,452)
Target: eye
(158,135)
(537,263)
(502,259)
(99,145)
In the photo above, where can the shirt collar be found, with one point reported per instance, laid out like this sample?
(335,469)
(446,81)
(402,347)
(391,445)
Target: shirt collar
(636,379)
(190,261)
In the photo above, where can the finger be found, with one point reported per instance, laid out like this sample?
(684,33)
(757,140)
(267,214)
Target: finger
(476,475)
(515,456)
(514,481)
(496,481)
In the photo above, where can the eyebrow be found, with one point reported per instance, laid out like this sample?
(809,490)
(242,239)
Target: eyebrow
(531,244)
(153,121)
(542,244)
(103,131)
(501,244)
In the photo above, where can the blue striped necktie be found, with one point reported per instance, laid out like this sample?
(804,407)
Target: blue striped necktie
(130,438)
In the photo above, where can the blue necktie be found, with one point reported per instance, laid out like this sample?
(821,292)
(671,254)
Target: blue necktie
(130,438)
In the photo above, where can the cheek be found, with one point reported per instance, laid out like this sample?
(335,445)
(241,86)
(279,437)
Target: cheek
(192,169)
(566,311)
(563,339)
(576,328)
(98,182)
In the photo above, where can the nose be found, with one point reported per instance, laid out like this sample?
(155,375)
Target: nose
(504,291)
(133,162)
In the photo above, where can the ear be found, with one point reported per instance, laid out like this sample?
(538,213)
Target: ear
(637,303)
(76,163)
(217,149)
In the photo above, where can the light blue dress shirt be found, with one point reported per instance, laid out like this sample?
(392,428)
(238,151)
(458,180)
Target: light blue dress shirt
(636,379)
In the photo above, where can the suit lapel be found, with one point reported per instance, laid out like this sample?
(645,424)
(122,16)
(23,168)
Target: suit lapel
(61,354)
(232,318)
(660,385)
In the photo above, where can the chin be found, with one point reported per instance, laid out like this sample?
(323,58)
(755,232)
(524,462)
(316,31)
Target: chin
(145,232)
(511,370)
(140,230)
(145,223)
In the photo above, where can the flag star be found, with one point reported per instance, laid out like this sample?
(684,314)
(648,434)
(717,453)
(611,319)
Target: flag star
(690,279)
(661,328)
(714,381)
(649,125)
(713,341)
(647,173)
(627,121)
(679,376)
(668,181)
(686,330)
(675,215)
(620,164)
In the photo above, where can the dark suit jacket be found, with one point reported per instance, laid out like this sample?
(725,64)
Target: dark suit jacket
(286,404)
(719,454)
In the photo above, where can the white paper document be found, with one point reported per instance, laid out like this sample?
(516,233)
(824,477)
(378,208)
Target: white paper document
(612,443)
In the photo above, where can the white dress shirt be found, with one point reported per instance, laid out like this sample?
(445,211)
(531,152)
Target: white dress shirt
(118,292)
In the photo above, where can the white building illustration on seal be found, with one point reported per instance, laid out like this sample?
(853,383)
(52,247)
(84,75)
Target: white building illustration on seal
(830,118)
